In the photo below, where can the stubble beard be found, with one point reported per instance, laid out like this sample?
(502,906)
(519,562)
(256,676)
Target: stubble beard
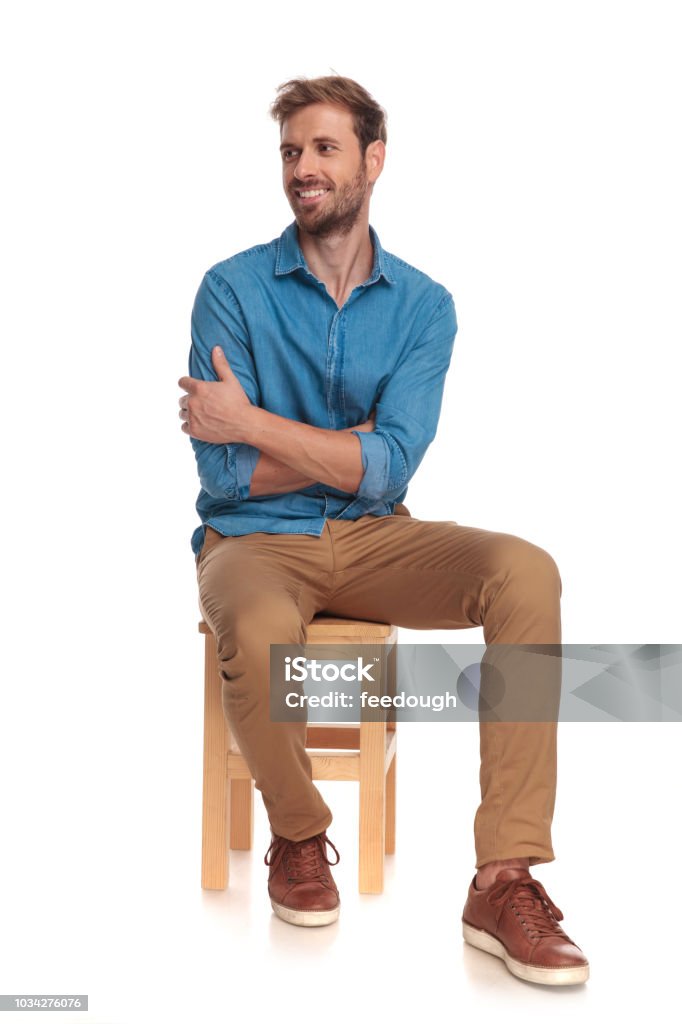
(342,217)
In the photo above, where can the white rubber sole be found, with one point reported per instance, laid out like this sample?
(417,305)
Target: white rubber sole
(306,918)
(539,975)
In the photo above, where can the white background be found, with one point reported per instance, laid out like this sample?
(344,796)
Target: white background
(533,167)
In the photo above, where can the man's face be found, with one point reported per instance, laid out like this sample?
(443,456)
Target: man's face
(321,154)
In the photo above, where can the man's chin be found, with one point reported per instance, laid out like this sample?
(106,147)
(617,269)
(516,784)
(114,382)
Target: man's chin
(325,227)
(312,227)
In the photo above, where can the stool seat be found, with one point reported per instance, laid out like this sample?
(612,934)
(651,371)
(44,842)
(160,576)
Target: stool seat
(362,752)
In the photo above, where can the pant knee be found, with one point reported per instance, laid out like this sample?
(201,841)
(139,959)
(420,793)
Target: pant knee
(243,640)
(530,566)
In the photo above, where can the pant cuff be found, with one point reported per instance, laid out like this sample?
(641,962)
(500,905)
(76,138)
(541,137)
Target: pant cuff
(535,856)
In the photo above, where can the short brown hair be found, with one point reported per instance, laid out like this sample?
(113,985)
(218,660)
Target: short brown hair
(369,119)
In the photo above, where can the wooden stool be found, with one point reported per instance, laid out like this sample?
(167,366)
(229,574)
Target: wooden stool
(365,753)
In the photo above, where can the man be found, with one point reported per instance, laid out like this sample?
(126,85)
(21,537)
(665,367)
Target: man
(317,369)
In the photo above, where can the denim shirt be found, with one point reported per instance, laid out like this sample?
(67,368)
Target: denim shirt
(298,355)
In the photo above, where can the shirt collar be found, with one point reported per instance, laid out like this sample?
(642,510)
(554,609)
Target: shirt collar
(290,256)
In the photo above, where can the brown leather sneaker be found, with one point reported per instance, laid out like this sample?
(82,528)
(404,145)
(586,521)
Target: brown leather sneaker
(515,919)
(302,890)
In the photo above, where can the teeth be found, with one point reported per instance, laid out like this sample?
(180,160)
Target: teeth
(316,192)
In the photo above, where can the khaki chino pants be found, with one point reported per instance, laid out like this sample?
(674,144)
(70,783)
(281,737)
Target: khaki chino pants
(262,589)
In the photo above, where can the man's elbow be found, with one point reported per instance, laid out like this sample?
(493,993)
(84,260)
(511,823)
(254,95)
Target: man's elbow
(216,485)
(216,470)
(214,490)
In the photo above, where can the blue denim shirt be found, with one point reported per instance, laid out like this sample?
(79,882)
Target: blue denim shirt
(298,355)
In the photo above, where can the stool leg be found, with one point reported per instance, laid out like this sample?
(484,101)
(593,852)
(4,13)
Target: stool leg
(390,806)
(391,733)
(241,814)
(216,793)
(372,806)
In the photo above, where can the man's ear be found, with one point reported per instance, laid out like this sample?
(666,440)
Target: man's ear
(375,154)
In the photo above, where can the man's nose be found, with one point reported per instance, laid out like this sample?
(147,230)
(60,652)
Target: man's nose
(306,165)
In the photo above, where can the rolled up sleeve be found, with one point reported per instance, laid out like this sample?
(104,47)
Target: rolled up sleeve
(408,409)
(225,470)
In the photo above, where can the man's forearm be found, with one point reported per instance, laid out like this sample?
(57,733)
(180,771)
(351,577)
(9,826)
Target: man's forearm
(331,457)
(274,477)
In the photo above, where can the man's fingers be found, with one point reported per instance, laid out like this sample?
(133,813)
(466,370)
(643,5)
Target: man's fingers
(187,383)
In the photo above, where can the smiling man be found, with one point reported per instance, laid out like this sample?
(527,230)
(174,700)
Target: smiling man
(317,369)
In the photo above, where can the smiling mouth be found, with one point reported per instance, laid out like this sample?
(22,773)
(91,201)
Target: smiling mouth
(307,196)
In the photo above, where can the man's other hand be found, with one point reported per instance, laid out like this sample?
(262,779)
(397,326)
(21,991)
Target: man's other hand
(214,410)
(365,428)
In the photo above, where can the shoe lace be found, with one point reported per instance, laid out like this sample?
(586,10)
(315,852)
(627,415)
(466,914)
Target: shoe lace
(304,859)
(529,900)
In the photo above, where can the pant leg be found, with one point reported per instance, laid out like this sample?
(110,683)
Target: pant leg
(251,593)
(440,575)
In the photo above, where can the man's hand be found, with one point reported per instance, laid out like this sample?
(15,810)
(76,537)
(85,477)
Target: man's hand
(214,410)
(367,427)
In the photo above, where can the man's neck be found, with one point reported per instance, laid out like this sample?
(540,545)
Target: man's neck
(341,262)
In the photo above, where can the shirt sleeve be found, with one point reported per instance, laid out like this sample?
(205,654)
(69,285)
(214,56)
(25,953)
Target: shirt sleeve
(408,409)
(225,470)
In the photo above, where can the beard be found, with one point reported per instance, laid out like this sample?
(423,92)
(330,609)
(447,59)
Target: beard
(341,215)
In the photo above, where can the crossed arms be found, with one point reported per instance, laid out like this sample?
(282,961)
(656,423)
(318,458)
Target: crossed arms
(244,451)
(290,455)
(274,477)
